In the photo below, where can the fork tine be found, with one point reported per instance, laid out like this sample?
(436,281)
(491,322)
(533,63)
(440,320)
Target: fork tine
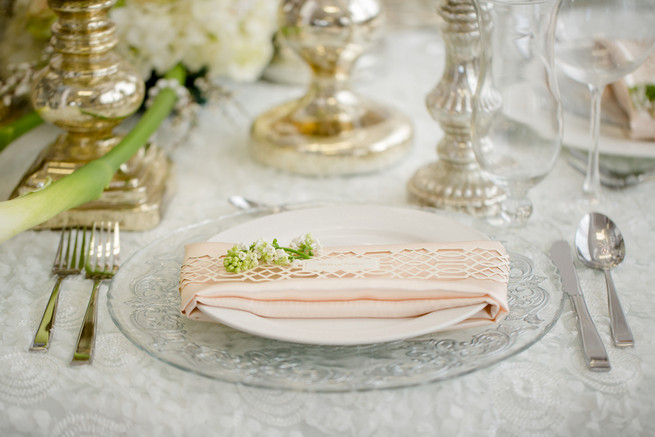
(63,262)
(73,258)
(66,260)
(117,248)
(60,249)
(91,259)
(82,250)
(107,246)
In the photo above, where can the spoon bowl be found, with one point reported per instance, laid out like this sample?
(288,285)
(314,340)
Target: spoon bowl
(599,244)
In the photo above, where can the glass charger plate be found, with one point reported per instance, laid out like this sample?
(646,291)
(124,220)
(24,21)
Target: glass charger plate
(144,303)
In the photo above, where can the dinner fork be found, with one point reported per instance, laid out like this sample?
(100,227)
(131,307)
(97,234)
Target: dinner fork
(102,263)
(614,178)
(69,260)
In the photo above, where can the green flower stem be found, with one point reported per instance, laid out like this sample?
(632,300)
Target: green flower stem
(87,182)
(296,252)
(17,128)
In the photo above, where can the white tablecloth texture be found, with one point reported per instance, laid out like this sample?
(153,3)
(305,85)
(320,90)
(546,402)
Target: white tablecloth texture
(543,391)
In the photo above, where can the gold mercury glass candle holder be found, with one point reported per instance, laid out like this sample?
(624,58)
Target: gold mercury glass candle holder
(455,181)
(87,90)
(331,130)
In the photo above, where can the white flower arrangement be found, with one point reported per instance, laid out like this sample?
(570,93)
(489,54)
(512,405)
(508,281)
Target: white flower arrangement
(228,38)
(224,38)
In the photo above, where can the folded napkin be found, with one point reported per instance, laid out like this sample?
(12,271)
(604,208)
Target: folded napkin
(629,92)
(625,102)
(378,281)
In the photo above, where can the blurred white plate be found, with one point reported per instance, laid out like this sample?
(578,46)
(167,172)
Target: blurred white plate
(613,140)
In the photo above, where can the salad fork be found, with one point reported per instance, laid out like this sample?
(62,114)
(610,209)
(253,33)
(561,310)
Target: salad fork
(102,263)
(69,260)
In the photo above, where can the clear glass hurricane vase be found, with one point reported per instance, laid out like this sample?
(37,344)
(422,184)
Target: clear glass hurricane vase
(517,117)
(598,42)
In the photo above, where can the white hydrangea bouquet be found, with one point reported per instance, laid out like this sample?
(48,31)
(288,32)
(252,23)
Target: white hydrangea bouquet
(227,38)
(162,38)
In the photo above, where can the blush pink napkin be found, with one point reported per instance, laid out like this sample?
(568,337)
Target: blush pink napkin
(387,281)
(640,124)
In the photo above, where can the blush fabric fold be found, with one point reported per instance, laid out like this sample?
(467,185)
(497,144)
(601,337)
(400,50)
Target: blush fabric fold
(640,124)
(371,281)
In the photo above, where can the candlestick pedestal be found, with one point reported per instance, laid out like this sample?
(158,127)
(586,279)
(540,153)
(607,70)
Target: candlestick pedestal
(87,90)
(331,130)
(455,180)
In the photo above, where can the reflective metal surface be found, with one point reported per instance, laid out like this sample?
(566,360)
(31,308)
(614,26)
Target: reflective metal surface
(455,180)
(87,90)
(331,129)
(600,245)
(592,345)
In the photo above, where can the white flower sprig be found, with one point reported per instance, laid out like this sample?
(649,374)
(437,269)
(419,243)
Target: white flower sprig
(244,257)
(181,92)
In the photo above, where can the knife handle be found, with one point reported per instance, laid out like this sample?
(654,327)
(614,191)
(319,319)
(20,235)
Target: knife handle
(594,351)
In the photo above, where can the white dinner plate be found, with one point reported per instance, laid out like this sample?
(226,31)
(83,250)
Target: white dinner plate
(612,141)
(337,226)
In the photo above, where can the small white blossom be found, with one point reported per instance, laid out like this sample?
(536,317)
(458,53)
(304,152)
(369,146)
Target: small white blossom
(244,257)
(306,244)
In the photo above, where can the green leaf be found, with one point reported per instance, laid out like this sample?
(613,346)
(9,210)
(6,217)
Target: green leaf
(650,92)
(12,131)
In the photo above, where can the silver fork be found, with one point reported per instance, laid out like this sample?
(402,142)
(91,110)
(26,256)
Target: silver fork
(609,177)
(102,263)
(68,261)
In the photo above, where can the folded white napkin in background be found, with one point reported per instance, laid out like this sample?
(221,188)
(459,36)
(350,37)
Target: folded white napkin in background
(639,111)
(370,281)
(633,114)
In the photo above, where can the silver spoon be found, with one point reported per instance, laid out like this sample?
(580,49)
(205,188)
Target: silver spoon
(599,244)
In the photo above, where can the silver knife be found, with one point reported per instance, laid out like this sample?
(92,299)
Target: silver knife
(594,351)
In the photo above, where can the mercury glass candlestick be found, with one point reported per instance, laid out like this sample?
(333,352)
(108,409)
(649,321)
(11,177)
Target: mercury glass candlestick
(331,130)
(455,180)
(87,90)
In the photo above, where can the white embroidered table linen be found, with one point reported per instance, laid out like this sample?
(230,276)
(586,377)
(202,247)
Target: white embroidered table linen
(544,391)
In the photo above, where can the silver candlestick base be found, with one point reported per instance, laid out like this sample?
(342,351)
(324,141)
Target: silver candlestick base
(455,181)
(331,130)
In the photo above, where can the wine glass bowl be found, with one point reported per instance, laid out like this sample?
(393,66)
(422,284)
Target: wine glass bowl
(598,42)
(517,126)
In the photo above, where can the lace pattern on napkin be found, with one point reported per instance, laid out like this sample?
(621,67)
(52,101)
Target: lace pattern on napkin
(430,264)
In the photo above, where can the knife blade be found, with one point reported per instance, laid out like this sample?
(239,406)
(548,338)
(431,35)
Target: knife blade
(592,345)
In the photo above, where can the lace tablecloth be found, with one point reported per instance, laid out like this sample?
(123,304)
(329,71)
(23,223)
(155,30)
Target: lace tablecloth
(545,390)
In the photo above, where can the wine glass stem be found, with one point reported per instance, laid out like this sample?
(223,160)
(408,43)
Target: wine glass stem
(517,208)
(591,186)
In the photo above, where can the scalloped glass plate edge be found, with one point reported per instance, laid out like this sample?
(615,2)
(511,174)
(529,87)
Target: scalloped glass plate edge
(150,319)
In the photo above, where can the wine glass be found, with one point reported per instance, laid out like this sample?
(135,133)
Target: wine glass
(596,43)
(517,117)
